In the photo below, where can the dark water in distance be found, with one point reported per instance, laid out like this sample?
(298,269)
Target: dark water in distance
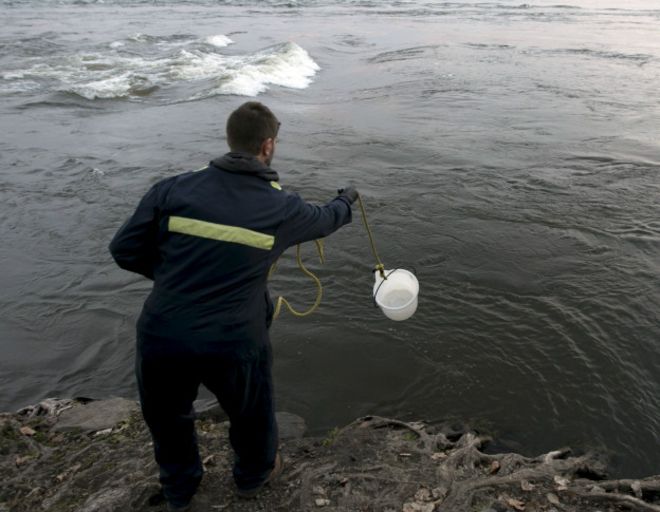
(507,152)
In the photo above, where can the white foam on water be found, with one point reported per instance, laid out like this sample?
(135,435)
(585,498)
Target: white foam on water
(113,87)
(219,41)
(19,87)
(196,65)
(13,75)
(288,65)
(114,74)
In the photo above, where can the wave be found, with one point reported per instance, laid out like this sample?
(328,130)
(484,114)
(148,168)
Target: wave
(636,57)
(138,66)
(286,65)
(115,87)
(417,52)
(219,41)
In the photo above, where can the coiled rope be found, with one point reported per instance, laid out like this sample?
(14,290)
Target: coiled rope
(281,301)
(319,287)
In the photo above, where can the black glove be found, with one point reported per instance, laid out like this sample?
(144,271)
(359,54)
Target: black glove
(349,193)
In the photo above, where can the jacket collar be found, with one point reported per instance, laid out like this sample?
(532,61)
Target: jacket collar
(244,163)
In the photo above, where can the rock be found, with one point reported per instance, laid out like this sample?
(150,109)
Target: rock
(290,426)
(209,409)
(95,416)
(322,502)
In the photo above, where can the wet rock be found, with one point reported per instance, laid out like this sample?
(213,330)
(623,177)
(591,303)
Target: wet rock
(290,426)
(209,409)
(95,416)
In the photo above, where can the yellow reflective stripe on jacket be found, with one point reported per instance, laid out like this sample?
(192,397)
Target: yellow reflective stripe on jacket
(276,185)
(220,232)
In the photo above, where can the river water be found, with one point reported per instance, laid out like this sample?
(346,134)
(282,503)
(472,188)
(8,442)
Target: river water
(508,153)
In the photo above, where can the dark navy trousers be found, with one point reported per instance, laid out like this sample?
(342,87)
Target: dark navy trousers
(168,385)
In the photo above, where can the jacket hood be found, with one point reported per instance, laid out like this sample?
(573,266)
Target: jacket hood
(244,163)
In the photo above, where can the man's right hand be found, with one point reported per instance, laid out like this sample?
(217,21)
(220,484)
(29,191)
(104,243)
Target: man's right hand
(350,193)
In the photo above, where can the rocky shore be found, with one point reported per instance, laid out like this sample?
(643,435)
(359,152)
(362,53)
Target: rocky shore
(96,456)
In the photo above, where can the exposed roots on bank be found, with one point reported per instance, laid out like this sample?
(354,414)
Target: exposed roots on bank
(373,464)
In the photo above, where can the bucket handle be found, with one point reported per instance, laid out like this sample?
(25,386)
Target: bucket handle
(381,284)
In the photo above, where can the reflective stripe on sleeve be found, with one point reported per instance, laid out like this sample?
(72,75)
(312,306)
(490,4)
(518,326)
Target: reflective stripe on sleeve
(221,232)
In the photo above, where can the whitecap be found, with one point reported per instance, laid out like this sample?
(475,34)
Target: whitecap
(286,65)
(14,75)
(219,41)
(196,65)
(120,86)
(112,74)
(23,86)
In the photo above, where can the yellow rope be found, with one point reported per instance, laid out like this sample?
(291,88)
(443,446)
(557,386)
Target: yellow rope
(379,264)
(319,287)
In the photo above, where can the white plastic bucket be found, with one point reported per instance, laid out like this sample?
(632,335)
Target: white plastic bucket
(396,296)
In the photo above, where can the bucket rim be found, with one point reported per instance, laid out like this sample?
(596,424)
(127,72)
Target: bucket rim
(396,308)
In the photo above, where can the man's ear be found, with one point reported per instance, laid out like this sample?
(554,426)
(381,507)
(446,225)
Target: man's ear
(267,147)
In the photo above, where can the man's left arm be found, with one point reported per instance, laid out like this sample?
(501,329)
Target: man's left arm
(304,222)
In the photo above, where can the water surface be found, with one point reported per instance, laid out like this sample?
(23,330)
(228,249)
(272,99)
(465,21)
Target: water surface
(507,152)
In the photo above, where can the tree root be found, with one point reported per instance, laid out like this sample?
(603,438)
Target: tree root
(630,502)
(376,422)
(462,476)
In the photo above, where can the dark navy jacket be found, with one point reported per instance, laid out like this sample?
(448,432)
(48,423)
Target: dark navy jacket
(207,239)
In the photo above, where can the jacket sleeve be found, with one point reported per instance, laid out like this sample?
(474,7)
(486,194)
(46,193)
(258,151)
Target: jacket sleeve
(135,246)
(304,222)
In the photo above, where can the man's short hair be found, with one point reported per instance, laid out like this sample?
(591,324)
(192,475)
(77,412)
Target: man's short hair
(249,126)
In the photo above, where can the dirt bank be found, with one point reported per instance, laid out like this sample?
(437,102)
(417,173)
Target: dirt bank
(65,455)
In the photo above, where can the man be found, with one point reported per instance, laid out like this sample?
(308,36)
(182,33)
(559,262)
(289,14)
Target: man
(207,239)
